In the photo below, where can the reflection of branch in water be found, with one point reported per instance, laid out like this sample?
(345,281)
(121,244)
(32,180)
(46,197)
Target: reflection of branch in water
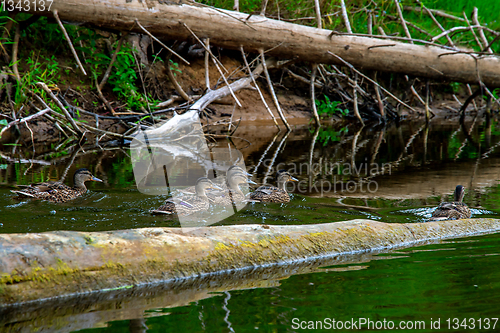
(69,164)
(467,133)
(426,137)
(273,159)
(22,160)
(410,140)
(264,154)
(226,310)
(354,148)
(311,155)
(377,145)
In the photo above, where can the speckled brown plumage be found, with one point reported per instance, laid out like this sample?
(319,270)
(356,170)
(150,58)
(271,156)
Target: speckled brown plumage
(453,210)
(273,193)
(191,204)
(57,191)
(233,194)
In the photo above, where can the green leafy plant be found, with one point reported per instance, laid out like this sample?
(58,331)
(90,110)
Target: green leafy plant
(329,108)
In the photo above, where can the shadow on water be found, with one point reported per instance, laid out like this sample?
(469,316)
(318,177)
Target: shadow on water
(394,174)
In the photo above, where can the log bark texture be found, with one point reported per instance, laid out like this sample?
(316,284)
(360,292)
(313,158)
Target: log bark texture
(231,30)
(38,266)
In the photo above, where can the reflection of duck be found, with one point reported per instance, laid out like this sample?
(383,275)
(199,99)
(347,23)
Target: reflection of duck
(56,191)
(189,204)
(233,193)
(452,210)
(273,193)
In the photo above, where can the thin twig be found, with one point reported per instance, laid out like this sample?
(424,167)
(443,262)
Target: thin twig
(56,16)
(345,17)
(271,89)
(447,32)
(257,86)
(113,59)
(105,101)
(475,20)
(207,56)
(318,14)
(23,120)
(159,42)
(436,22)
(15,47)
(313,94)
(176,84)
(205,47)
(402,20)
(61,106)
(379,99)
(366,77)
(216,65)
(435,12)
(472,31)
(383,36)
(264,6)
(355,102)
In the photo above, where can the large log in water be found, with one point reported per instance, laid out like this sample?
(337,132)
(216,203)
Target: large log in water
(286,40)
(37,266)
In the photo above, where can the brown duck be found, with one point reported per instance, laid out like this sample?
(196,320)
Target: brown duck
(233,193)
(452,210)
(57,191)
(188,205)
(273,193)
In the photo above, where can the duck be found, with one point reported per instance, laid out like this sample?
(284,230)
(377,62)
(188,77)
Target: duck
(272,193)
(57,191)
(232,193)
(222,182)
(187,205)
(452,210)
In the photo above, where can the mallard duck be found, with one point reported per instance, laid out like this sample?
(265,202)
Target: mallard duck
(57,191)
(188,205)
(222,182)
(233,194)
(273,193)
(452,210)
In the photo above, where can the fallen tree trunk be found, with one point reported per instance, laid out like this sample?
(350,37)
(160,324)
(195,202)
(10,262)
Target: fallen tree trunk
(38,266)
(230,29)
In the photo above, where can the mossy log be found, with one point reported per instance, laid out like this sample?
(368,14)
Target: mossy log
(37,266)
(231,30)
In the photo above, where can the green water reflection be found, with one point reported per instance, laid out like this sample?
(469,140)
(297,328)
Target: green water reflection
(455,278)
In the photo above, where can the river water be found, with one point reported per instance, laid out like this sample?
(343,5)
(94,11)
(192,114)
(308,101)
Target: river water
(394,174)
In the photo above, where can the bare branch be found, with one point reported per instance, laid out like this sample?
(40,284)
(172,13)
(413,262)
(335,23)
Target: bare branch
(56,16)
(345,17)
(271,89)
(156,39)
(402,20)
(61,106)
(257,87)
(313,94)
(366,77)
(113,59)
(23,120)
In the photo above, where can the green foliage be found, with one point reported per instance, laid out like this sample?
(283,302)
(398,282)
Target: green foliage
(329,108)
(327,135)
(455,87)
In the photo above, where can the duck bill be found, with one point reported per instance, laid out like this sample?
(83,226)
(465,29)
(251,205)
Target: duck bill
(95,179)
(215,187)
(249,181)
(293,179)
